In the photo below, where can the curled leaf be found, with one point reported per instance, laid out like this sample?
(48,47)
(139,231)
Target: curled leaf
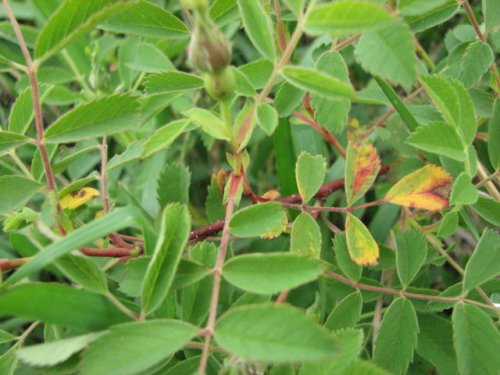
(427,188)
(362,166)
(362,247)
(78,198)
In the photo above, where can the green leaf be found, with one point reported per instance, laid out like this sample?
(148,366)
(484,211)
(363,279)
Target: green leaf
(71,20)
(397,337)
(476,61)
(264,219)
(146,57)
(54,352)
(267,118)
(493,134)
(477,341)
(491,9)
(398,104)
(15,191)
(8,361)
(365,368)
(288,98)
(432,17)
(362,247)
(6,337)
(435,343)
(114,221)
(100,117)
(454,102)
(208,122)
(305,238)
(164,137)
(10,140)
(273,333)
(60,304)
(173,184)
(258,27)
(317,82)
(352,270)
(488,209)
(350,342)
(83,271)
(148,20)
(310,172)
(448,224)
(411,251)
(389,53)
(484,263)
(463,191)
(347,17)
(361,170)
(346,313)
(21,113)
(438,138)
(174,233)
(419,7)
(172,81)
(140,346)
(271,273)
(332,113)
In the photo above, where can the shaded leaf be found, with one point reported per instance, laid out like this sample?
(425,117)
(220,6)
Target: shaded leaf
(305,238)
(488,209)
(427,188)
(362,247)
(476,61)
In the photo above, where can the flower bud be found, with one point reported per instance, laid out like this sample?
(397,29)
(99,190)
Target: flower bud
(209,50)
(221,84)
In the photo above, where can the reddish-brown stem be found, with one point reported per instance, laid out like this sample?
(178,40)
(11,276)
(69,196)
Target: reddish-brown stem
(329,137)
(345,43)
(112,252)
(281,27)
(379,289)
(282,297)
(7,264)
(472,19)
(333,209)
(212,314)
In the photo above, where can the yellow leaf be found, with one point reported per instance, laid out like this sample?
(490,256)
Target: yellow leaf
(77,198)
(427,188)
(362,166)
(362,247)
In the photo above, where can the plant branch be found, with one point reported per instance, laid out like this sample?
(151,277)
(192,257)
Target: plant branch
(212,315)
(384,290)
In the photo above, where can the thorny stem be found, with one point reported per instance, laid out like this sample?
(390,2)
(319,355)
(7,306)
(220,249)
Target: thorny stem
(37,108)
(212,315)
(379,289)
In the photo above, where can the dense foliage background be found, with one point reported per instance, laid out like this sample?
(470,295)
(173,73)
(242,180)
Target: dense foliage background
(249,187)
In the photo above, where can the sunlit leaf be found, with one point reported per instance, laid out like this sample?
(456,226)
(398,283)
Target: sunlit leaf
(78,198)
(362,247)
(362,166)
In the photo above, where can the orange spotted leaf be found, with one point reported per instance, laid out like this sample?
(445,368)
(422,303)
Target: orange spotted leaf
(362,247)
(427,188)
(362,166)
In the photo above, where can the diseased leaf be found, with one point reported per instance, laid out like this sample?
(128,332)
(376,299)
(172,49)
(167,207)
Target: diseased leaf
(484,263)
(316,82)
(265,219)
(310,172)
(427,188)
(273,333)
(258,27)
(347,17)
(362,247)
(397,337)
(72,19)
(477,341)
(362,166)
(174,233)
(146,19)
(78,198)
(270,273)
(305,238)
(140,346)
(438,138)
(107,115)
